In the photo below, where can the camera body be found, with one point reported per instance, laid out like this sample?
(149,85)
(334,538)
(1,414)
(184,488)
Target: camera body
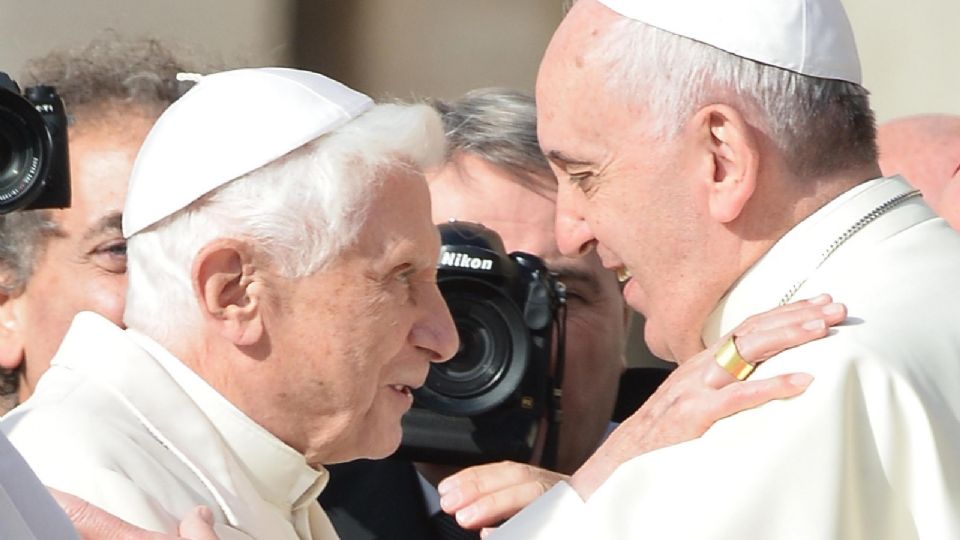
(489,401)
(34,164)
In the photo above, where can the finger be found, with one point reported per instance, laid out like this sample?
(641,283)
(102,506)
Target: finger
(831,313)
(495,507)
(820,300)
(470,484)
(749,394)
(757,347)
(198,525)
(91,522)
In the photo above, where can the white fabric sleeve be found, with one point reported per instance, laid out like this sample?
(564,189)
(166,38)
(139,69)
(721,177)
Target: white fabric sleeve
(558,511)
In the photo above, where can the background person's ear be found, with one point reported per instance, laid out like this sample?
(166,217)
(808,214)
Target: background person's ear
(228,291)
(11,334)
(736,159)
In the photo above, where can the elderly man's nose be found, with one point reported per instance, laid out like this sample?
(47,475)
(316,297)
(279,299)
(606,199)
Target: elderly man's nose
(437,333)
(574,237)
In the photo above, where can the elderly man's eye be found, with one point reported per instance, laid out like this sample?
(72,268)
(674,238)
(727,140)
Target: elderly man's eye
(582,180)
(404,273)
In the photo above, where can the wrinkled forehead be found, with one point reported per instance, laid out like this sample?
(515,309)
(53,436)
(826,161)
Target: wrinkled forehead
(398,212)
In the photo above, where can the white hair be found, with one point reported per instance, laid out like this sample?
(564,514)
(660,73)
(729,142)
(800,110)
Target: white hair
(300,210)
(819,124)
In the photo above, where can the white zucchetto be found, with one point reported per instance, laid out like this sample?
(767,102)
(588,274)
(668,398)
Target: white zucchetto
(810,37)
(230,124)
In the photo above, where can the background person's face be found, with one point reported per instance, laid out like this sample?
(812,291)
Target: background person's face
(471,189)
(83,267)
(354,337)
(624,191)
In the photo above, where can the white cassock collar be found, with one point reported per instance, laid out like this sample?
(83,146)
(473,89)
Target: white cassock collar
(279,473)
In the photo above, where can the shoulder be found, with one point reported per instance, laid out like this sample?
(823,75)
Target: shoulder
(91,446)
(69,430)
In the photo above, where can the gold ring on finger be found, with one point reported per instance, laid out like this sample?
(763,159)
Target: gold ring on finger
(728,357)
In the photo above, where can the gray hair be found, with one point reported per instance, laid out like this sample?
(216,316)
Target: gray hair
(821,125)
(300,211)
(499,126)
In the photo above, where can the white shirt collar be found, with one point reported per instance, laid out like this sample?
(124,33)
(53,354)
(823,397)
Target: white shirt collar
(279,473)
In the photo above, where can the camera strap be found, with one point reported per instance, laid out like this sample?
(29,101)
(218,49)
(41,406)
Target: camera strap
(548,459)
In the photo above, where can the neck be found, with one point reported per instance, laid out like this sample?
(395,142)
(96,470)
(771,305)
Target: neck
(778,205)
(828,187)
(784,201)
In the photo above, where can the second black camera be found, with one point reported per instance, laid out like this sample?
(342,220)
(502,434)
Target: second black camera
(34,170)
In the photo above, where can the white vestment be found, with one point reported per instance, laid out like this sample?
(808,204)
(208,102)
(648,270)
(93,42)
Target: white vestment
(121,423)
(870,451)
(27,512)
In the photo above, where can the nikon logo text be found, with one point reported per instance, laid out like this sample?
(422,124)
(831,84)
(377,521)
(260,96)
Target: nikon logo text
(462,260)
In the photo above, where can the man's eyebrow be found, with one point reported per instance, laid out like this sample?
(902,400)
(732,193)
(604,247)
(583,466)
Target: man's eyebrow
(564,160)
(108,223)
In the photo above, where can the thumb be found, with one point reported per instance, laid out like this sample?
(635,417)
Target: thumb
(198,525)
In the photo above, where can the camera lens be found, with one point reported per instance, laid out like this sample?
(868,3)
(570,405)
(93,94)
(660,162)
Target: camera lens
(6,154)
(484,349)
(493,355)
(24,142)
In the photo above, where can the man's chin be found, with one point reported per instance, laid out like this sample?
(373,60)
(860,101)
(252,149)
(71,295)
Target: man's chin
(387,442)
(657,343)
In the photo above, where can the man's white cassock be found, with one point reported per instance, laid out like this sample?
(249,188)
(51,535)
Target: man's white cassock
(121,423)
(27,511)
(870,451)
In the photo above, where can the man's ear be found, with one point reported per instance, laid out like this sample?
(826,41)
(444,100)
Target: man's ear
(736,159)
(229,290)
(11,333)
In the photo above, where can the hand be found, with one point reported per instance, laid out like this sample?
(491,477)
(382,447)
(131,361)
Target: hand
(93,523)
(485,495)
(698,392)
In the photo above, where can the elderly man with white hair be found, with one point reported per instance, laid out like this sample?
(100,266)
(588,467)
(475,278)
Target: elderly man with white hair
(282,304)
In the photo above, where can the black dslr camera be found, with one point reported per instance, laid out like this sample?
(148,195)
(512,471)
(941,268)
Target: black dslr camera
(34,170)
(487,402)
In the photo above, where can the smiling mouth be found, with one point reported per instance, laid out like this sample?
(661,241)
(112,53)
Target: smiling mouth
(623,274)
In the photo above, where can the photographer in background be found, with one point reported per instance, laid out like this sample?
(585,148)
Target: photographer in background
(55,263)
(495,174)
